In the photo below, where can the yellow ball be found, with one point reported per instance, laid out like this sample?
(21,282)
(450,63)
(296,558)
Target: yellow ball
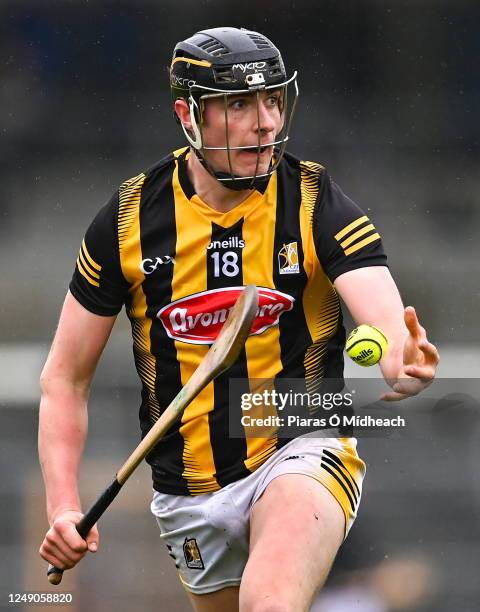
(366,345)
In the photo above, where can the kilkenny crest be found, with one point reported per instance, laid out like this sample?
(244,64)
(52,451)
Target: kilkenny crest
(288,259)
(193,558)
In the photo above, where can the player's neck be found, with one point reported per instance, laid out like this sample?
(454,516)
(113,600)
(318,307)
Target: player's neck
(210,190)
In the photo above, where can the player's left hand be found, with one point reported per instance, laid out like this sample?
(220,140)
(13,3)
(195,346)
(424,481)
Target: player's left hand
(420,360)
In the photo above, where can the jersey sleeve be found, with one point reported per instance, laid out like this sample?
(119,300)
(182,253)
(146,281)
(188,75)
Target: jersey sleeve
(344,236)
(97,282)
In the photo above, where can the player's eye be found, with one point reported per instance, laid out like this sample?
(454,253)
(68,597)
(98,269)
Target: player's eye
(238,104)
(273,100)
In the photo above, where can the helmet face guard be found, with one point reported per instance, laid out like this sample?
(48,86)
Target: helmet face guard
(198,79)
(230,179)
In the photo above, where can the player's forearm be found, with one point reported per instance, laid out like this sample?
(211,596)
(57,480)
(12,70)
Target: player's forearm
(61,439)
(372,297)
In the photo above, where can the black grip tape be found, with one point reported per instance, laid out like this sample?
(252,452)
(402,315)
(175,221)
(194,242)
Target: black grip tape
(98,508)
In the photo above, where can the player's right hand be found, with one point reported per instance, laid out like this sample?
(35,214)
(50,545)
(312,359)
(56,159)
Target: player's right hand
(63,546)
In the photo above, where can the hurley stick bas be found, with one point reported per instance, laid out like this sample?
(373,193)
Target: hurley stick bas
(222,354)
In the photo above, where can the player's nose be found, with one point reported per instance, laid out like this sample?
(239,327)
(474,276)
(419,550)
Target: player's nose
(265,122)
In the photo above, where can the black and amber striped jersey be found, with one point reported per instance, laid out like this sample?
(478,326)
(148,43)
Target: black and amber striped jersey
(178,265)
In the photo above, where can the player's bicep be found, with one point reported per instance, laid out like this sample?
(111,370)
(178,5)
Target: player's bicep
(79,341)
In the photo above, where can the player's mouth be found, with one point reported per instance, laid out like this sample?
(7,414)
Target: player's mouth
(257,151)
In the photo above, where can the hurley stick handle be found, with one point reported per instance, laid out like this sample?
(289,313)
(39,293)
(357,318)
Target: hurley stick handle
(87,522)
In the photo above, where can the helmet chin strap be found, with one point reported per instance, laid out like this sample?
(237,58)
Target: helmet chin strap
(239,183)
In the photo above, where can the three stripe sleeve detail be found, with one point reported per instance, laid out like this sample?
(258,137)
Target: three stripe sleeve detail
(349,239)
(88,267)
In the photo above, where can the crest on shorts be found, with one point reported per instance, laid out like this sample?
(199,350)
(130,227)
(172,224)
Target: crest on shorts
(193,558)
(288,259)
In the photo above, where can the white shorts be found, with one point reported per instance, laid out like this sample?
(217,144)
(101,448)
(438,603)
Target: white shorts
(207,535)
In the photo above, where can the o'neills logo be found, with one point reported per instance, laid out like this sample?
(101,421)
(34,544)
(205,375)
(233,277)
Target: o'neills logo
(198,318)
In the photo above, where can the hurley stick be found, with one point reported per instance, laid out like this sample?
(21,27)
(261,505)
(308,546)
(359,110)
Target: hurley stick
(222,354)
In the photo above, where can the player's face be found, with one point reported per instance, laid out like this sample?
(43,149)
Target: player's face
(248,123)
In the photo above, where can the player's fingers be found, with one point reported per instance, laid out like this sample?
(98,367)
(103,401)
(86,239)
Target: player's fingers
(424,373)
(58,546)
(54,560)
(93,539)
(391,396)
(411,386)
(68,533)
(72,556)
(430,351)
(412,323)
(59,560)
(67,541)
(52,554)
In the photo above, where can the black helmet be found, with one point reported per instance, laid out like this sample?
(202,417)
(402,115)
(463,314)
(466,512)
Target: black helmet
(230,61)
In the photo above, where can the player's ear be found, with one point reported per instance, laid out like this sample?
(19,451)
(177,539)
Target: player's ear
(183,113)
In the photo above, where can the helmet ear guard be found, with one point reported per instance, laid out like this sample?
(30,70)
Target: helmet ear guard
(222,62)
(196,141)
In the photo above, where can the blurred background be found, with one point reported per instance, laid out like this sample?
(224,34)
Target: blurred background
(389,103)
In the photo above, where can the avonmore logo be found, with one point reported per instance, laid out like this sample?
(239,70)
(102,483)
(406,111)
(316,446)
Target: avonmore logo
(198,318)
